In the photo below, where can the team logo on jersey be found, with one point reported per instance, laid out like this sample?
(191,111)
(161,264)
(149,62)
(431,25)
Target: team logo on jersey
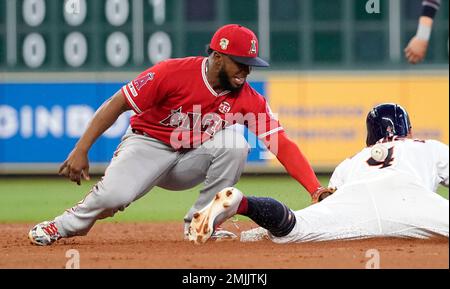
(175,118)
(141,81)
(224,43)
(224,107)
(252,47)
(209,123)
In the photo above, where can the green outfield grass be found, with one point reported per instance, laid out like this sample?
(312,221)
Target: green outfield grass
(37,199)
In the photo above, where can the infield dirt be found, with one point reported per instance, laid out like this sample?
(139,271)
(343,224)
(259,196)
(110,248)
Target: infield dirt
(161,245)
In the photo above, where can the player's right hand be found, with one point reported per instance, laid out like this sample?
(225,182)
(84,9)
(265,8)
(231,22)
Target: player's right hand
(321,194)
(76,166)
(416,50)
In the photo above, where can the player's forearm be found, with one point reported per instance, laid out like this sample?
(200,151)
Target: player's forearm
(424,28)
(103,119)
(429,9)
(296,164)
(425,20)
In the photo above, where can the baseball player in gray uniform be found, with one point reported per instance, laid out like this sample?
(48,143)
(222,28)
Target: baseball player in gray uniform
(179,136)
(385,190)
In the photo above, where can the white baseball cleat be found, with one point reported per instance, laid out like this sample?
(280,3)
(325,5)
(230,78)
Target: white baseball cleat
(220,235)
(255,235)
(44,234)
(205,221)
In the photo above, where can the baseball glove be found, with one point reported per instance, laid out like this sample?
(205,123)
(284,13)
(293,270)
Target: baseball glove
(321,194)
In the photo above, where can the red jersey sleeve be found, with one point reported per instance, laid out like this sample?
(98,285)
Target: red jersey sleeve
(262,122)
(146,90)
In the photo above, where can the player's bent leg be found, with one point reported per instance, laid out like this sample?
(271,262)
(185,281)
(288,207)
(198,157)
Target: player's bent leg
(228,153)
(271,214)
(126,179)
(418,213)
(348,214)
(218,163)
(104,200)
(275,218)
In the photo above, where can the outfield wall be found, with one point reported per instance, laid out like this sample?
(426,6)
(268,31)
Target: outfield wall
(326,114)
(41,120)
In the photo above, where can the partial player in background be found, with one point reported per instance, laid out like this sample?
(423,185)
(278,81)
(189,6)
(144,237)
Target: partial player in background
(416,49)
(179,136)
(388,189)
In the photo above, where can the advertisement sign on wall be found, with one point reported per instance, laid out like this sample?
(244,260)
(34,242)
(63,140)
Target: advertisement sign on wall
(326,115)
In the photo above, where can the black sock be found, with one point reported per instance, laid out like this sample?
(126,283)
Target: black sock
(272,215)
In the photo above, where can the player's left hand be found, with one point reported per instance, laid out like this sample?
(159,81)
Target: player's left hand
(76,166)
(416,50)
(321,194)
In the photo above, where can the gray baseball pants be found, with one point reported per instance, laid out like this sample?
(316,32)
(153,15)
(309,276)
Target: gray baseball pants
(141,163)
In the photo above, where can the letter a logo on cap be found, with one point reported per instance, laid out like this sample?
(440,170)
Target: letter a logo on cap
(253,47)
(224,43)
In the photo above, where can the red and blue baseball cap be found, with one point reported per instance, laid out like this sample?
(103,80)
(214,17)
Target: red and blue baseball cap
(239,43)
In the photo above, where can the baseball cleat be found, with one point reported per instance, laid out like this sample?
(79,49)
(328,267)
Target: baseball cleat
(44,234)
(255,235)
(220,235)
(205,222)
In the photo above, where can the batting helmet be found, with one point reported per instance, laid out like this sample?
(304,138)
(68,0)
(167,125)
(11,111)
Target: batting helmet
(386,120)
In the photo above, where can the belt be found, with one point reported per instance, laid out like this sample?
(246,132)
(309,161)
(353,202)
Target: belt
(136,131)
(180,150)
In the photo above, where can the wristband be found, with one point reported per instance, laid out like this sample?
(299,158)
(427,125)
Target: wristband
(423,32)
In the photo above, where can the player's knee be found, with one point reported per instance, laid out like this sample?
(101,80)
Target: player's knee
(117,197)
(241,143)
(236,154)
(241,154)
(235,146)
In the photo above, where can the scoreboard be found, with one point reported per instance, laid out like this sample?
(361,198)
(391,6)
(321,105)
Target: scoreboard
(97,35)
(86,34)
